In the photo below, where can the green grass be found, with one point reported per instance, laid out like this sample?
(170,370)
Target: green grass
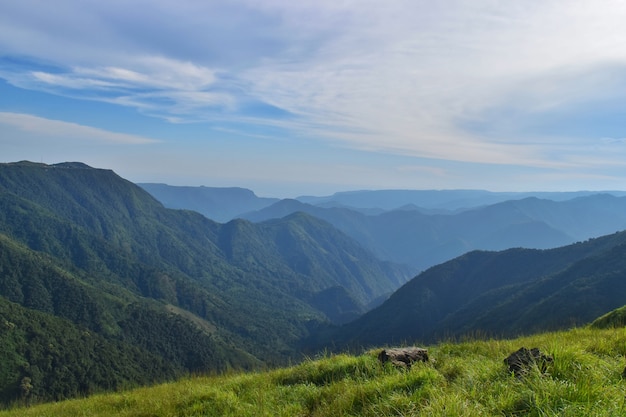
(462,379)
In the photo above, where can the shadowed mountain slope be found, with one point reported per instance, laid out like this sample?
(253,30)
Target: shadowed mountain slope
(507,293)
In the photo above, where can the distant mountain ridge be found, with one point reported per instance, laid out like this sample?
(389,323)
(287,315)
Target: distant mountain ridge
(450,200)
(425,227)
(422,240)
(223,204)
(216,203)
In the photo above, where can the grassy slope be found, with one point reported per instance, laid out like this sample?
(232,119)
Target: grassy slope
(464,379)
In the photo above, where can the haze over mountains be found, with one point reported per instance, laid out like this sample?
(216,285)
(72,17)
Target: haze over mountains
(219,204)
(227,203)
(499,294)
(424,228)
(102,287)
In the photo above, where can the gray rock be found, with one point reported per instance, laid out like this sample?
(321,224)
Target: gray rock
(403,357)
(522,360)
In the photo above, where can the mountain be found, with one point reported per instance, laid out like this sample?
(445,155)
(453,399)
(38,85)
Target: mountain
(96,254)
(422,240)
(446,224)
(513,292)
(216,203)
(223,204)
(448,200)
(361,227)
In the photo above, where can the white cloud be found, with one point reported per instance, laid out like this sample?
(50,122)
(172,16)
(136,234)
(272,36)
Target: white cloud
(51,129)
(158,86)
(407,73)
(154,72)
(401,76)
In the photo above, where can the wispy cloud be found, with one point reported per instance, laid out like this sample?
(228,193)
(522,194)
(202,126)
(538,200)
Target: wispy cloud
(162,87)
(451,80)
(65,130)
(410,75)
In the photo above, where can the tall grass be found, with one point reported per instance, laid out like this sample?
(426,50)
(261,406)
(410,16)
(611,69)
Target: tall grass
(462,379)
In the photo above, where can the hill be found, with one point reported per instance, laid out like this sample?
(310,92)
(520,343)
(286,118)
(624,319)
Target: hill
(88,248)
(508,293)
(612,319)
(464,379)
(223,204)
(447,200)
(422,240)
(423,228)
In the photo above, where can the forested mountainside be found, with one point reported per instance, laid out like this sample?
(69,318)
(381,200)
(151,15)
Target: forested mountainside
(413,237)
(88,253)
(508,293)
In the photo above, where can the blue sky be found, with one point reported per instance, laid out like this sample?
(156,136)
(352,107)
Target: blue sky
(314,96)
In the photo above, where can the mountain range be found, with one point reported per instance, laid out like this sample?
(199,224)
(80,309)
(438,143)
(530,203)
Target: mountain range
(102,287)
(423,240)
(448,224)
(226,203)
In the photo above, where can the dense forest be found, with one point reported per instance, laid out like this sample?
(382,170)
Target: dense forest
(91,263)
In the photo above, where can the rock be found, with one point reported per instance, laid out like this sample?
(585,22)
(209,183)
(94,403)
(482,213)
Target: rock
(403,357)
(522,360)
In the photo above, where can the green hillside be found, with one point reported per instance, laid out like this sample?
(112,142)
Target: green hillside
(464,379)
(90,251)
(69,336)
(499,294)
(612,319)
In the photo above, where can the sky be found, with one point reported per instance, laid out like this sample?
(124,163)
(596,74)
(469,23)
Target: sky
(311,97)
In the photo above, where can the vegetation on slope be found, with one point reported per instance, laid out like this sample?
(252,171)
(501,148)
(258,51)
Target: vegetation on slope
(46,358)
(503,294)
(464,379)
(612,319)
(90,251)
(71,335)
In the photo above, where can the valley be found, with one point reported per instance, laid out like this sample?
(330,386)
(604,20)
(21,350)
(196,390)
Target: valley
(103,288)
(312,208)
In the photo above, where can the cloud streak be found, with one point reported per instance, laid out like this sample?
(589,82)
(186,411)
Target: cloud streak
(56,128)
(158,86)
(454,80)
